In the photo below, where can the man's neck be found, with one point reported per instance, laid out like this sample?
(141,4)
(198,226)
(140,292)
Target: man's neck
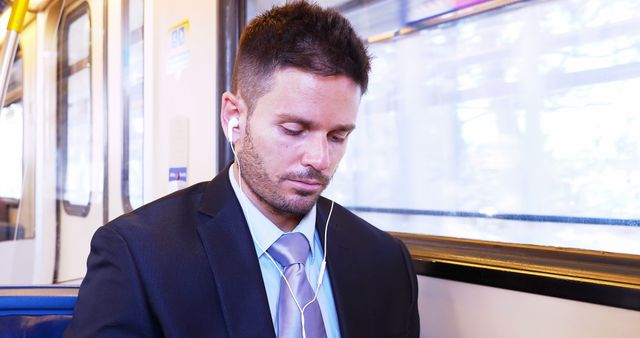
(285,222)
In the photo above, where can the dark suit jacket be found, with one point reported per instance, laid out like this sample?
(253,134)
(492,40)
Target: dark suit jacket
(185,266)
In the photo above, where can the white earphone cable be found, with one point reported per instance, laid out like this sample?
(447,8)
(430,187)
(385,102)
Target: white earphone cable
(275,264)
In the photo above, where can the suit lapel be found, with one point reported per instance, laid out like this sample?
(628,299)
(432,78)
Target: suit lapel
(347,291)
(232,258)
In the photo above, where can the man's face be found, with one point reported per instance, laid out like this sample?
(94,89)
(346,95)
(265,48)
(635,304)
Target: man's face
(295,138)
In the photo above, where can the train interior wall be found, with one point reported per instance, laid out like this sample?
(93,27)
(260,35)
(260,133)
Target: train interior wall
(183,123)
(179,97)
(180,113)
(451,309)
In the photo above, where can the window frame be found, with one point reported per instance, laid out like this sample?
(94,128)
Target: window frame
(64,71)
(233,19)
(606,278)
(126,95)
(525,267)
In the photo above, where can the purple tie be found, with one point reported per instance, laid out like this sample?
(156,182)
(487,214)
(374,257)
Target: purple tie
(291,251)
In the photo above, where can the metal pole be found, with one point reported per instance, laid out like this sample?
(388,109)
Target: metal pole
(18,11)
(231,21)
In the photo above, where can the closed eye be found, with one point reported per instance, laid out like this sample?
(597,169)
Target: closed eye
(291,130)
(338,137)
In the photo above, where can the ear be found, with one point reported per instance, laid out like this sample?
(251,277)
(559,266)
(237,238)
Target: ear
(232,106)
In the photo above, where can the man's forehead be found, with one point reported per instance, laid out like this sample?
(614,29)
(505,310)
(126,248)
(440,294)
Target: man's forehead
(265,83)
(282,71)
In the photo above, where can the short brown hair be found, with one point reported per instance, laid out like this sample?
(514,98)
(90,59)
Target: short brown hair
(299,35)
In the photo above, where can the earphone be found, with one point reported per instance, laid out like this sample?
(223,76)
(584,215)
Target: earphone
(234,122)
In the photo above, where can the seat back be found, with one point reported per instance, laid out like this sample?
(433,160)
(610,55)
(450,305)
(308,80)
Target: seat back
(36,311)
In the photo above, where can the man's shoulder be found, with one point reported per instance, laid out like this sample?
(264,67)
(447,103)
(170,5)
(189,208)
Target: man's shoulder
(355,227)
(175,208)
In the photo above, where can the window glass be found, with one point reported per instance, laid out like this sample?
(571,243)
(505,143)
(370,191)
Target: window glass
(11,135)
(11,140)
(78,183)
(15,79)
(75,112)
(387,14)
(136,14)
(78,39)
(514,125)
(132,189)
(12,158)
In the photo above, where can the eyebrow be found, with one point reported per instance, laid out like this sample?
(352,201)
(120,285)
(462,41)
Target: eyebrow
(307,123)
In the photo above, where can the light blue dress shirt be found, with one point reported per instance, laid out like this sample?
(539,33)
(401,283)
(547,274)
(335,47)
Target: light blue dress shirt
(265,233)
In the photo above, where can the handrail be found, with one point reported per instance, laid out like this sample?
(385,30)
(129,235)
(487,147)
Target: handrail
(37,300)
(588,266)
(14,27)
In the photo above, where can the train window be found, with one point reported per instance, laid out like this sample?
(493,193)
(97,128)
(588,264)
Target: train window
(12,168)
(132,172)
(516,124)
(11,129)
(74,111)
(11,136)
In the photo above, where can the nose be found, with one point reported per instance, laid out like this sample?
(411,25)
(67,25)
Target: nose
(316,153)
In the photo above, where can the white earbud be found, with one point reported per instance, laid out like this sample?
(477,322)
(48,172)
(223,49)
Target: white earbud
(233,122)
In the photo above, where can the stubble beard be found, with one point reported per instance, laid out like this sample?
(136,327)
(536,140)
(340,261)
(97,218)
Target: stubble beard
(253,173)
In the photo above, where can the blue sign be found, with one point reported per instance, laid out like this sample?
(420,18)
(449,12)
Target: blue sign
(178,174)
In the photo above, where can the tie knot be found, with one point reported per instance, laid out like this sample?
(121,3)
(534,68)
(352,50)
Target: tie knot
(290,248)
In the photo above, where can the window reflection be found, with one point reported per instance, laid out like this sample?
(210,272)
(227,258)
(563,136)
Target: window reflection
(77,186)
(523,113)
(78,41)
(12,154)
(515,125)
(133,155)
(75,111)
(11,130)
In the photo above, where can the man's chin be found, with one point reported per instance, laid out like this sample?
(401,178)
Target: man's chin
(302,204)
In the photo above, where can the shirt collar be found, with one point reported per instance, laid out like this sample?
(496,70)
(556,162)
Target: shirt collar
(262,229)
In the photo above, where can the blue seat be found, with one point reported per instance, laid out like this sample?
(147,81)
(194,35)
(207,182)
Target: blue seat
(7,232)
(36,311)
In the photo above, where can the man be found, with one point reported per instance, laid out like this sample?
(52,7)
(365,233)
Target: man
(210,260)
